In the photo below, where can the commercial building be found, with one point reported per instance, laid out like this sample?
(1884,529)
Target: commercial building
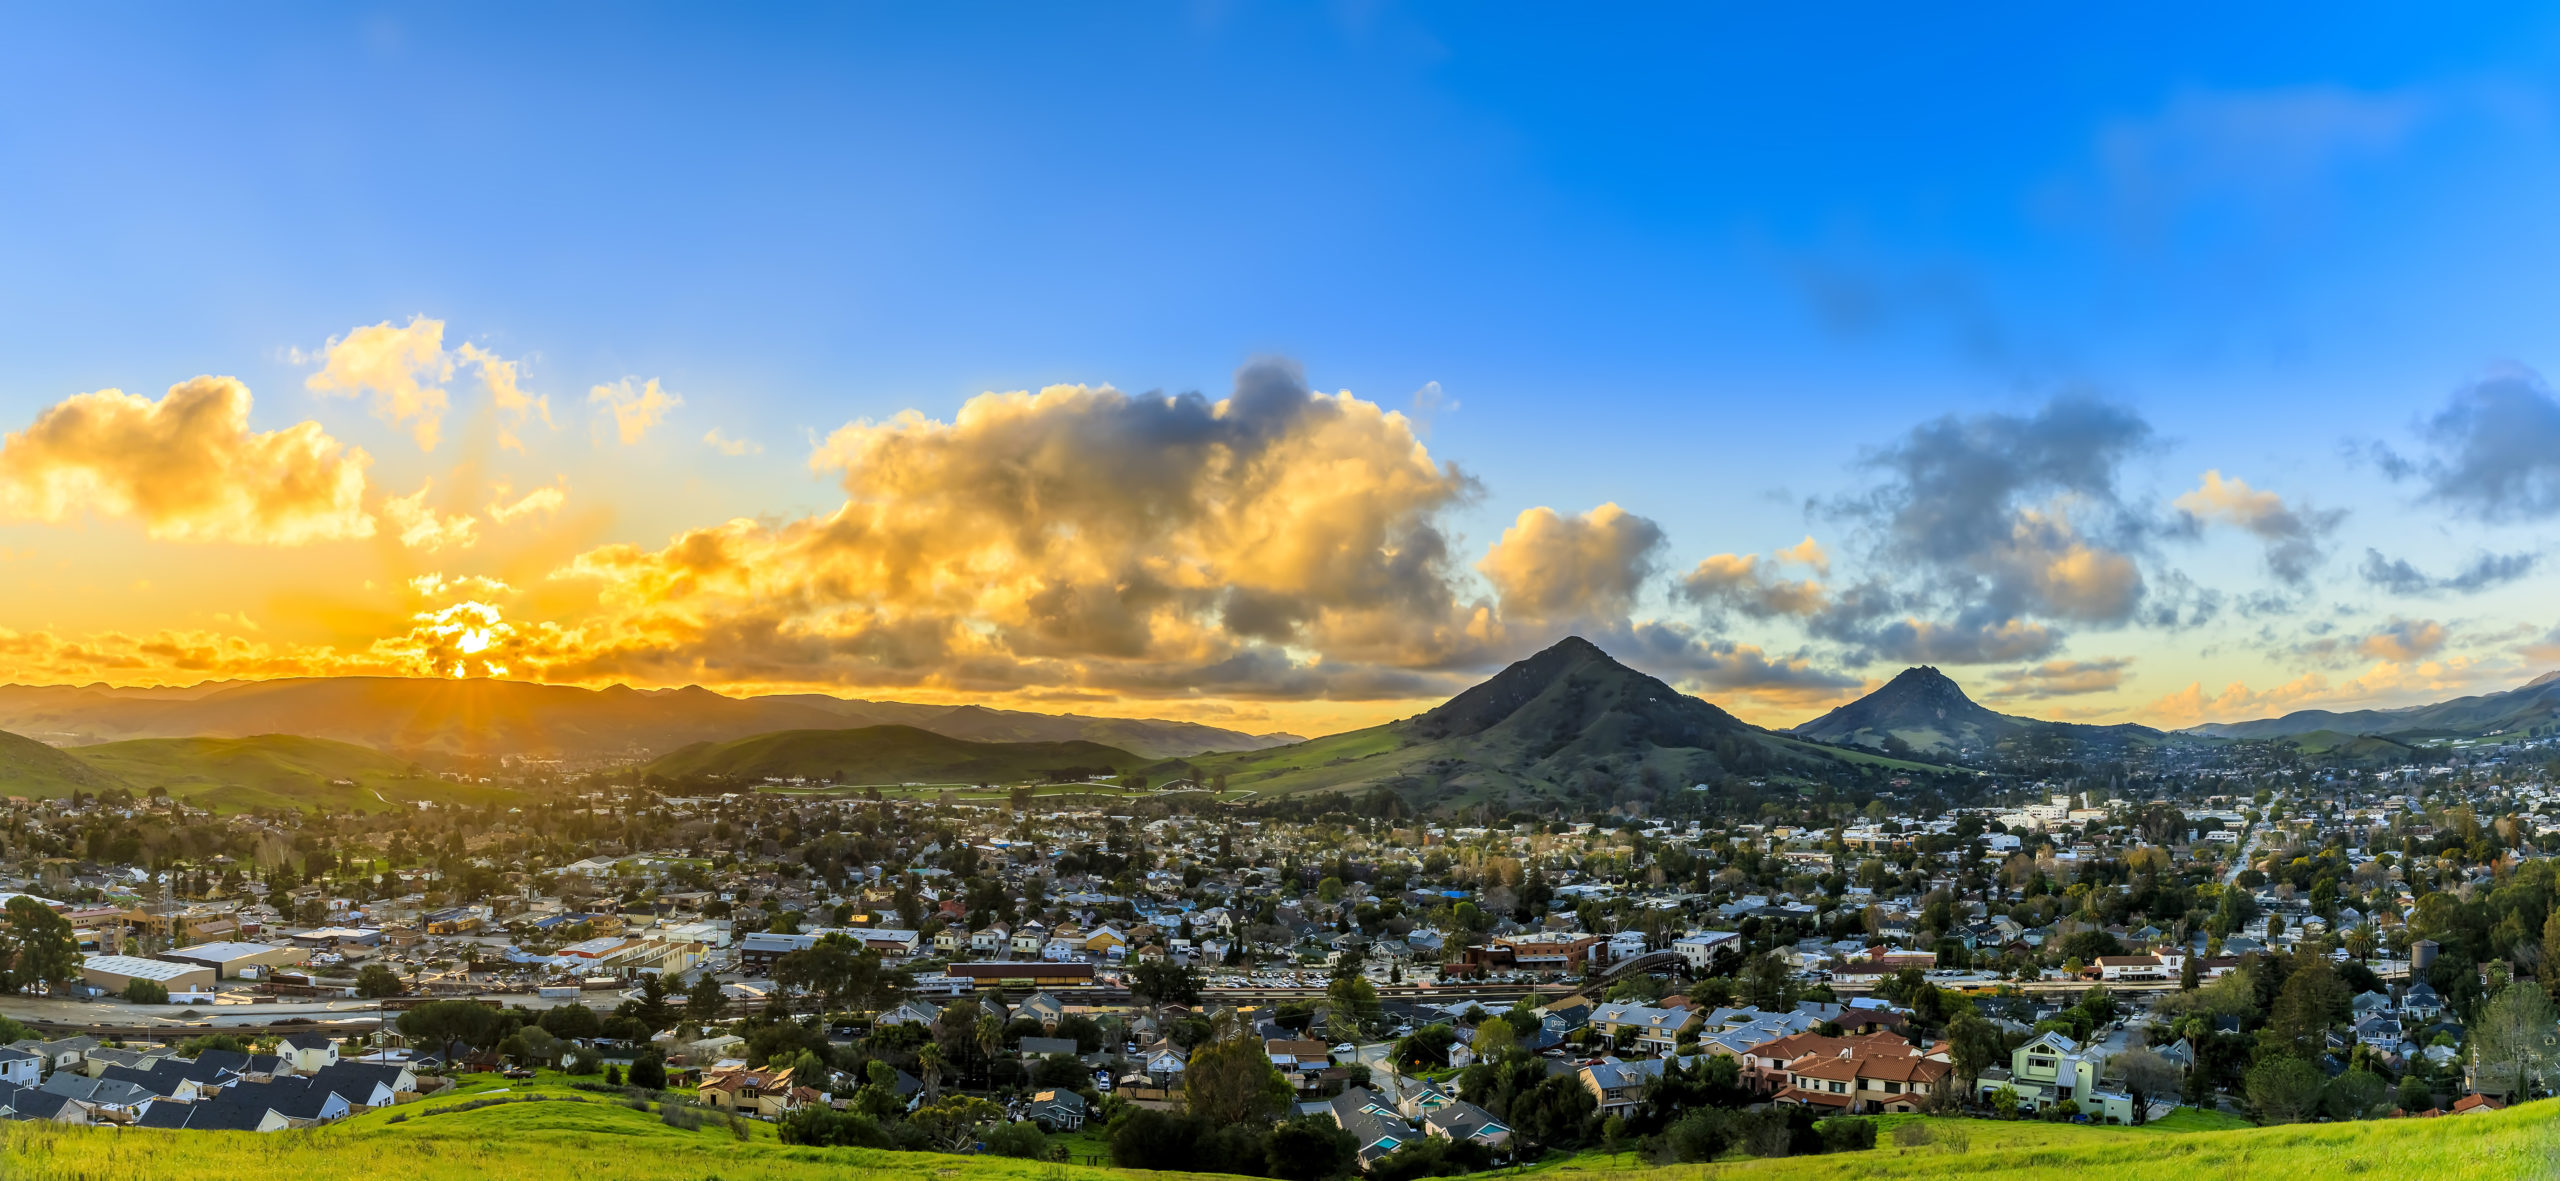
(228,959)
(114,972)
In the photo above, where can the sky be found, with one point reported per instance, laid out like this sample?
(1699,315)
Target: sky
(1286,367)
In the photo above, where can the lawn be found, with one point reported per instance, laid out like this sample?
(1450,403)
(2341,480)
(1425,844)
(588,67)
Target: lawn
(2190,1146)
(570,1135)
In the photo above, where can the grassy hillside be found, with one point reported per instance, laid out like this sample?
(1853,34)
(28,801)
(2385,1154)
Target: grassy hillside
(32,769)
(266,771)
(573,1136)
(886,755)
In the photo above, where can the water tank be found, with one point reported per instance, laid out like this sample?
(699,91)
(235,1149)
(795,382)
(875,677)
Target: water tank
(2422,956)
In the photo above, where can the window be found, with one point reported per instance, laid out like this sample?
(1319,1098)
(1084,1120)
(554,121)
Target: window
(1892,1088)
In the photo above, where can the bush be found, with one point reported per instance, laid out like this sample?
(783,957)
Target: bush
(1848,1135)
(1024,1140)
(146,992)
(1911,1134)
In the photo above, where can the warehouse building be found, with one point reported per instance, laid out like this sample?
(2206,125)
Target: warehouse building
(114,972)
(228,959)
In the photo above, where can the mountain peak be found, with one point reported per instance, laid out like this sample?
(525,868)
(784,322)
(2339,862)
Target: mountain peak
(1927,683)
(2544,679)
(1523,681)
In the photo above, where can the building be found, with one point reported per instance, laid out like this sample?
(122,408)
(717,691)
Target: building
(1025,974)
(1650,1030)
(114,972)
(1056,1111)
(1698,949)
(227,959)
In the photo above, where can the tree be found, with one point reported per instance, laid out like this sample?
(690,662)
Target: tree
(1165,982)
(2311,1000)
(704,1002)
(146,992)
(571,1021)
(2187,973)
(1233,1082)
(652,1010)
(437,1023)
(1975,1044)
(650,1069)
(2550,968)
(1312,1148)
(952,1123)
(2357,1094)
(929,1059)
(1355,1007)
(2284,1089)
(2513,1035)
(378,981)
(38,947)
(1494,1039)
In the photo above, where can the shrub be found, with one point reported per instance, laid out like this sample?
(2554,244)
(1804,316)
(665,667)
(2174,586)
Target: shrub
(1848,1135)
(1912,1134)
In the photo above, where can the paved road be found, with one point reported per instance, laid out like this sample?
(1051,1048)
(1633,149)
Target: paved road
(2248,844)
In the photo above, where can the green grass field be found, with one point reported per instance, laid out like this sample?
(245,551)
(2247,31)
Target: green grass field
(575,1136)
(275,771)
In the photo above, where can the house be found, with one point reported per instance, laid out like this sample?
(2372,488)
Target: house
(309,1052)
(23,1068)
(108,1100)
(1698,949)
(367,1084)
(1042,1047)
(2048,1069)
(30,1103)
(1302,1061)
(909,1012)
(1617,1087)
(769,1093)
(1044,1008)
(1460,1120)
(1651,1030)
(1374,1126)
(2164,966)
(60,1053)
(1056,1111)
(1858,1084)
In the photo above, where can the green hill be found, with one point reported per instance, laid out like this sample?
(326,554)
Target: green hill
(1567,721)
(265,771)
(888,755)
(32,769)
(547,1132)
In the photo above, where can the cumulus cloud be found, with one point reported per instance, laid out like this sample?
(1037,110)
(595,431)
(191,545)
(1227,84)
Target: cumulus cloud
(437,585)
(419,526)
(2061,678)
(186,467)
(1573,570)
(728,446)
(2493,450)
(634,408)
(2404,640)
(2483,572)
(515,407)
(1743,583)
(2294,536)
(1083,538)
(546,499)
(404,368)
(1990,530)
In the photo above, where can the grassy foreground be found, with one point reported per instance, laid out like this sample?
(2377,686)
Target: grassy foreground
(575,1136)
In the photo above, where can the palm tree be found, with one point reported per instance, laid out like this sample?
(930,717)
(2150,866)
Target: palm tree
(990,1038)
(930,1058)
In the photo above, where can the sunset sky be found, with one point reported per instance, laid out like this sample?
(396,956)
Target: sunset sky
(1287,367)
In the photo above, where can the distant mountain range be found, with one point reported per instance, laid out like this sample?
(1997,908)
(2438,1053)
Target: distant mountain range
(1567,721)
(886,756)
(1924,711)
(2530,709)
(491,717)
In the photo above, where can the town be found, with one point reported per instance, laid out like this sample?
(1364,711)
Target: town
(2209,932)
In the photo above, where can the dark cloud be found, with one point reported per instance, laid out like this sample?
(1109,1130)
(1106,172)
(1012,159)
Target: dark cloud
(2492,452)
(1997,528)
(2061,678)
(2481,573)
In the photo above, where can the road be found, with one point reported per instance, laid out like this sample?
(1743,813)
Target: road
(2248,844)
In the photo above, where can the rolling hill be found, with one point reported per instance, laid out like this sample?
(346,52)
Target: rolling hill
(492,717)
(1569,720)
(547,1131)
(1927,710)
(2530,709)
(263,771)
(888,755)
(30,768)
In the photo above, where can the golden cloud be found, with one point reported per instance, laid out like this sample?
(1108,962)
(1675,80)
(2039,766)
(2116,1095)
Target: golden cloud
(187,467)
(1076,537)
(421,527)
(1741,582)
(404,368)
(515,407)
(1552,567)
(634,409)
(547,499)
(2403,640)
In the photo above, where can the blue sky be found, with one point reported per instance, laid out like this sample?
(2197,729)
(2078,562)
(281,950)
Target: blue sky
(1697,264)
